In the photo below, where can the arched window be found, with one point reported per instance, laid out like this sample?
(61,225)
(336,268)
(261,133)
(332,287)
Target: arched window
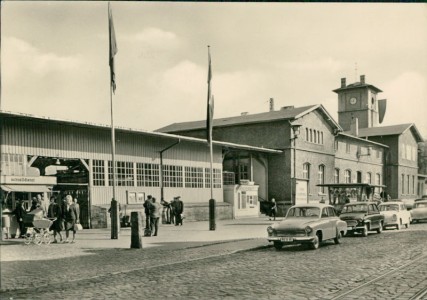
(318,137)
(337,175)
(321,178)
(315,135)
(311,136)
(347,176)
(368,178)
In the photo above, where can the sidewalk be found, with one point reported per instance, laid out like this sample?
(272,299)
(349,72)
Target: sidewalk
(191,234)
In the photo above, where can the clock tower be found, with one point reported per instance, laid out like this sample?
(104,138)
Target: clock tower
(358,100)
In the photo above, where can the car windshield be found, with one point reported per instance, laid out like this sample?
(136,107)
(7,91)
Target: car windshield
(389,207)
(420,205)
(355,208)
(303,212)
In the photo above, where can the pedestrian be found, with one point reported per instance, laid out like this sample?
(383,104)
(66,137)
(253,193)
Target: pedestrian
(154,210)
(55,212)
(146,205)
(273,210)
(20,212)
(178,210)
(42,204)
(34,204)
(70,219)
(172,211)
(76,204)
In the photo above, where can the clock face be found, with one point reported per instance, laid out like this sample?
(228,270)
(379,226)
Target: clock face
(353,100)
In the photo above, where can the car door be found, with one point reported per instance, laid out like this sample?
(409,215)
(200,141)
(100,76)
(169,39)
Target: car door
(375,215)
(326,224)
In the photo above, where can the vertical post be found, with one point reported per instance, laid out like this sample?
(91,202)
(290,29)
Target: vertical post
(113,211)
(136,230)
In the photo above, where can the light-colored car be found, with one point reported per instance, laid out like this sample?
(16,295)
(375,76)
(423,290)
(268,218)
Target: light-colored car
(395,214)
(419,211)
(307,224)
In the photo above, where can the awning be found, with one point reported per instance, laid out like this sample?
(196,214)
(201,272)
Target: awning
(25,188)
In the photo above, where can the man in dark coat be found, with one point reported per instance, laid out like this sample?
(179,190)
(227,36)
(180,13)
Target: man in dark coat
(70,218)
(147,204)
(20,212)
(178,208)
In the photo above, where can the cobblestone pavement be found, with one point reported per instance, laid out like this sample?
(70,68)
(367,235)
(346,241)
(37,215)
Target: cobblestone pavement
(222,271)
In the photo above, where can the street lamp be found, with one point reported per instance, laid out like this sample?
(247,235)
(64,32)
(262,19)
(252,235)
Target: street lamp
(295,134)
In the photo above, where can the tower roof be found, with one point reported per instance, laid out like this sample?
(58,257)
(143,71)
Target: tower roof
(356,85)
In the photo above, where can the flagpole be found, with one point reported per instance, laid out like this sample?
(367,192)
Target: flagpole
(209,126)
(113,50)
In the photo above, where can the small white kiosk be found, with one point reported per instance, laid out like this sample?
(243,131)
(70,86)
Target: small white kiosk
(244,199)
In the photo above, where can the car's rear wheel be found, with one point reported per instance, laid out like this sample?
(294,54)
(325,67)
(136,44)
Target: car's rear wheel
(380,228)
(365,231)
(315,244)
(278,245)
(337,239)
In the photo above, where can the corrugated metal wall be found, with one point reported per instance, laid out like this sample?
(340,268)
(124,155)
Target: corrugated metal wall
(22,135)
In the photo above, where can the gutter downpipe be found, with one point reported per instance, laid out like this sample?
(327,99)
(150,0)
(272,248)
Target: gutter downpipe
(161,167)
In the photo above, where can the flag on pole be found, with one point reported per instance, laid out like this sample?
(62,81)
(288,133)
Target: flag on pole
(210,108)
(113,47)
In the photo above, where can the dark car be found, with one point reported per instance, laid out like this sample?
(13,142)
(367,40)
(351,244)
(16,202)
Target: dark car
(362,217)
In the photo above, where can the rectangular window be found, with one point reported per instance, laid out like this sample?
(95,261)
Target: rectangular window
(147,174)
(403,183)
(216,178)
(12,164)
(321,178)
(244,171)
(227,178)
(193,177)
(407,184)
(414,153)
(124,173)
(347,147)
(98,172)
(172,176)
(306,171)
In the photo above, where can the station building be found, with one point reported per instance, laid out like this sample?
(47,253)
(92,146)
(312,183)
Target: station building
(317,150)
(59,157)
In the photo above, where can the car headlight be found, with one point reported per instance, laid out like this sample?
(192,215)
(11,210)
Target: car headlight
(394,217)
(270,230)
(308,229)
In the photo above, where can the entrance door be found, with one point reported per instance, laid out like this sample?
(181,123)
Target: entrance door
(301,191)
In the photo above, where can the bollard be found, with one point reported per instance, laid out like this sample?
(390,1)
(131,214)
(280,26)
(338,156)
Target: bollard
(114,220)
(212,205)
(136,230)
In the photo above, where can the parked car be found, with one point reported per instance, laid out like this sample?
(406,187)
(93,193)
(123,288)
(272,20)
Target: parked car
(395,214)
(362,217)
(307,224)
(419,211)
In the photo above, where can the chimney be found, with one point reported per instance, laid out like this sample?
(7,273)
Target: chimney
(288,107)
(245,113)
(343,84)
(354,127)
(271,104)
(362,79)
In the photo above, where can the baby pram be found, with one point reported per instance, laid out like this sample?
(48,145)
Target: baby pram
(37,228)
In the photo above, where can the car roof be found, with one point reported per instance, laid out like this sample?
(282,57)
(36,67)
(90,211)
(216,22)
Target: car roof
(391,202)
(320,205)
(361,202)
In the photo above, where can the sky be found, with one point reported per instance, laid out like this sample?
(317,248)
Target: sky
(54,58)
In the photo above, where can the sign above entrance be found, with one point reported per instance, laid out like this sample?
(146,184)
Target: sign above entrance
(45,180)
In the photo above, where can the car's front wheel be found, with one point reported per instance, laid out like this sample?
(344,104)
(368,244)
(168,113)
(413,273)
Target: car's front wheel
(365,231)
(278,245)
(315,243)
(380,227)
(337,239)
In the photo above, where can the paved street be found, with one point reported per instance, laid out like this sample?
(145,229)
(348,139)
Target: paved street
(220,267)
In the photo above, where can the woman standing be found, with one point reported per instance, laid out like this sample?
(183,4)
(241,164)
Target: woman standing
(54,212)
(70,218)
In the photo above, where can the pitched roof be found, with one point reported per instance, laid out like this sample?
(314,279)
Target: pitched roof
(390,130)
(7,114)
(290,113)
